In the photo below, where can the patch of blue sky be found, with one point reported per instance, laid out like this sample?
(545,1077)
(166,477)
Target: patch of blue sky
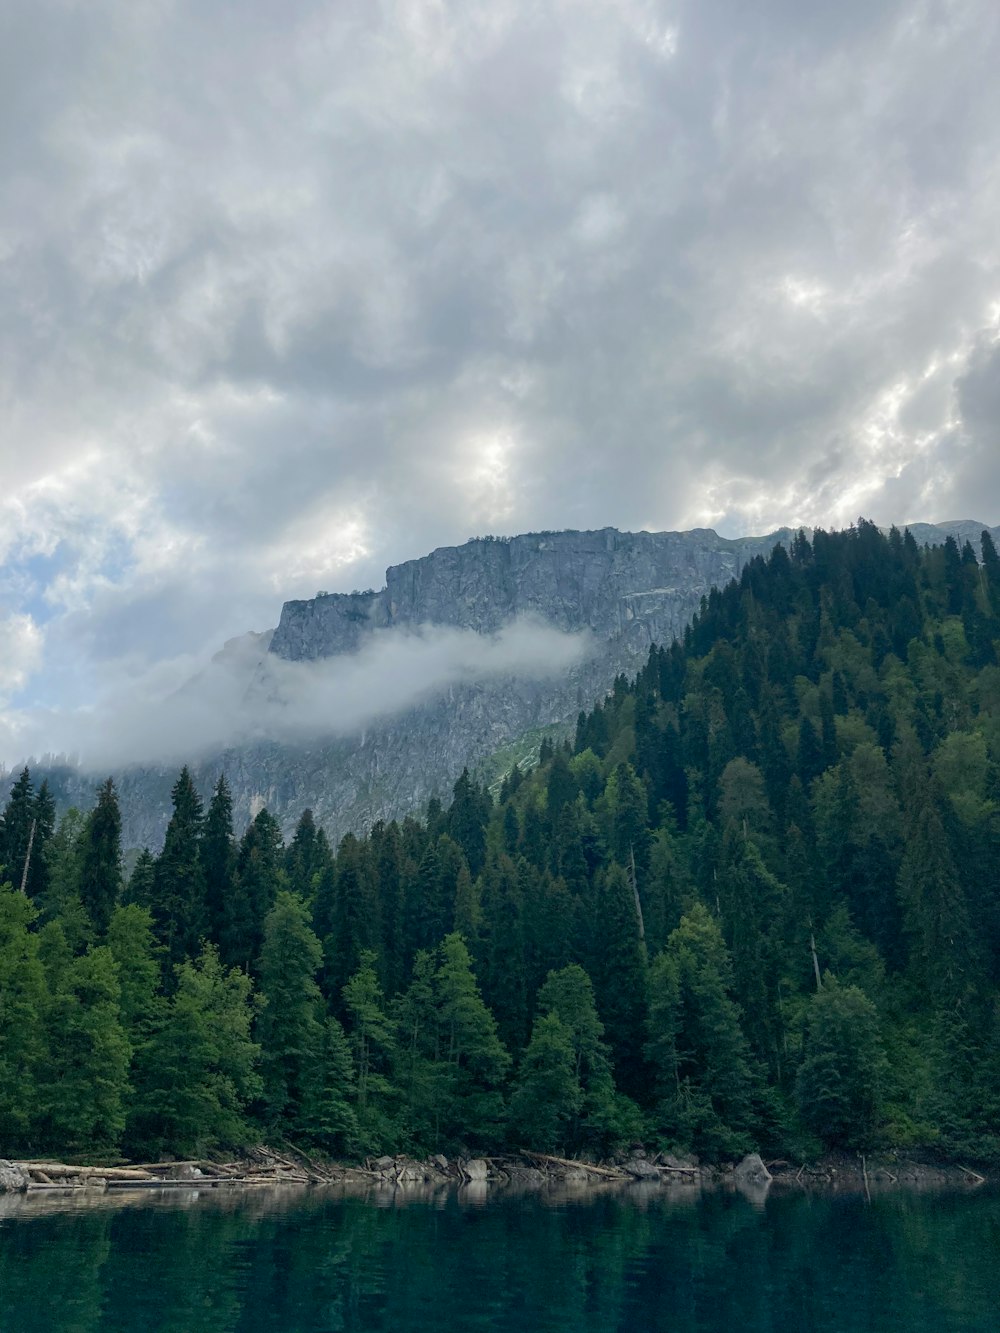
(118,558)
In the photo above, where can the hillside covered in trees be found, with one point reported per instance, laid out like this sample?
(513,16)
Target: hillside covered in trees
(755,903)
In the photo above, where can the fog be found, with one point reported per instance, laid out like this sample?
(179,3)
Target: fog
(245,695)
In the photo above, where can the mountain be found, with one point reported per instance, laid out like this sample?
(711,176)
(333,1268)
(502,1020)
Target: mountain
(623,591)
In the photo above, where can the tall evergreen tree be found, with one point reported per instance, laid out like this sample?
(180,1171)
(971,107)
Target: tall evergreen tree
(839,1086)
(703,1071)
(23,1013)
(259,877)
(179,889)
(100,882)
(217,852)
(291,1026)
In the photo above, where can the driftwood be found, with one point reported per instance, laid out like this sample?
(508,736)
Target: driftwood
(607,1172)
(50,1172)
(980,1180)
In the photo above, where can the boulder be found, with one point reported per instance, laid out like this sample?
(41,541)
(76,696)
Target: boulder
(476,1169)
(752,1171)
(13,1178)
(640,1168)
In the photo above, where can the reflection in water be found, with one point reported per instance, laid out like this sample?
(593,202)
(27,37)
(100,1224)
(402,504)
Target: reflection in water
(590,1261)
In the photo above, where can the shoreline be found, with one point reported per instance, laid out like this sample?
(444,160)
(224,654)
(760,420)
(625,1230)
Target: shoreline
(265,1168)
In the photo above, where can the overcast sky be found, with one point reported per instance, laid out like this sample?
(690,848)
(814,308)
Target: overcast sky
(290,292)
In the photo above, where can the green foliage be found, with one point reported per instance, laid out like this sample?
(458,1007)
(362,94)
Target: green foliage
(703,1071)
(201,1072)
(548,1097)
(839,1086)
(100,858)
(82,1089)
(23,1011)
(290,1028)
(806,784)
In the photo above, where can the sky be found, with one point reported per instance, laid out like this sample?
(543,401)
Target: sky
(289,293)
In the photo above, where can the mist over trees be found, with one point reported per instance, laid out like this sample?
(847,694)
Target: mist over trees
(753,903)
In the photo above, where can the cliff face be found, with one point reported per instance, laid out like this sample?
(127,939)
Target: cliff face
(628,589)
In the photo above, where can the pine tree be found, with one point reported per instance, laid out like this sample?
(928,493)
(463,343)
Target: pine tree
(604,1118)
(502,946)
(373,1044)
(202,1066)
(703,1073)
(16,828)
(839,1084)
(547,1097)
(37,881)
(81,1094)
(291,1026)
(467,820)
(217,853)
(934,905)
(100,881)
(475,1061)
(179,889)
(23,1008)
(618,970)
(259,877)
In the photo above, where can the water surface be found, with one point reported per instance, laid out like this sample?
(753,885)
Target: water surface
(310,1261)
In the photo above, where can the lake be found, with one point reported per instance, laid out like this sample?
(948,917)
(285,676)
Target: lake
(625,1260)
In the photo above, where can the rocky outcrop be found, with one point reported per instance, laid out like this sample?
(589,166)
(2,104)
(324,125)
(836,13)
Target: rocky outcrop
(13,1178)
(629,590)
(751,1171)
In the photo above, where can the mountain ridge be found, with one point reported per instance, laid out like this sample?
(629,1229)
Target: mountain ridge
(627,590)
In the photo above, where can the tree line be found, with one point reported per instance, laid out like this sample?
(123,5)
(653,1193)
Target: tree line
(753,902)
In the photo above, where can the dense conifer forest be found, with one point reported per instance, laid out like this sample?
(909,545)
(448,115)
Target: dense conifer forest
(754,903)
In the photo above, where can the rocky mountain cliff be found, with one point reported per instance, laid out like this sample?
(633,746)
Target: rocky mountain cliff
(627,590)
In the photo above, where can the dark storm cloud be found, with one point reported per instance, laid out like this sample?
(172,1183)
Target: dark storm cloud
(290,293)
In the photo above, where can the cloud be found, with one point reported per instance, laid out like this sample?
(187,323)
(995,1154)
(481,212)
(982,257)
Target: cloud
(288,297)
(245,694)
(20,652)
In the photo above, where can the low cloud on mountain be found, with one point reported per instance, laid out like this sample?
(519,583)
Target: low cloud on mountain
(246,695)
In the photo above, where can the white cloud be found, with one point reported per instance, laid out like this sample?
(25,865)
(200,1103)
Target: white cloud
(20,652)
(287,295)
(167,714)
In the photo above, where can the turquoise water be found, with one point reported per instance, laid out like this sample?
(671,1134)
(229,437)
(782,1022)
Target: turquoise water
(312,1261)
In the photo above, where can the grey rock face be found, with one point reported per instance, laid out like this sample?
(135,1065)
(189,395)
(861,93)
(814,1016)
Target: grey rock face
(752,1171)
(629,590)
(13,1178)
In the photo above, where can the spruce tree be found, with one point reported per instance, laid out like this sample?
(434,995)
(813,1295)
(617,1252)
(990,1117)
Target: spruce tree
(547,1096)
(202,1066)
(839,1085)
(16,829)
(179,888)
(100,873)
(291,1027)
(259,877)
(475,1061)
(703,1072)
(618,970)
(82,1092)
(23,1011)
(373,1044)
(217,852)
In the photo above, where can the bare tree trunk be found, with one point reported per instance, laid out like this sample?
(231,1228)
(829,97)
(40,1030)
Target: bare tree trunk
(635,892)
(27,859)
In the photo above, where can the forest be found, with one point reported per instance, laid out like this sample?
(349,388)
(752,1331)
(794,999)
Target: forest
(754,903)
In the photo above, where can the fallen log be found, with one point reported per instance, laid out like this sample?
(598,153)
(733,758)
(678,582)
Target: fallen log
(60,1170)
(608,1172)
